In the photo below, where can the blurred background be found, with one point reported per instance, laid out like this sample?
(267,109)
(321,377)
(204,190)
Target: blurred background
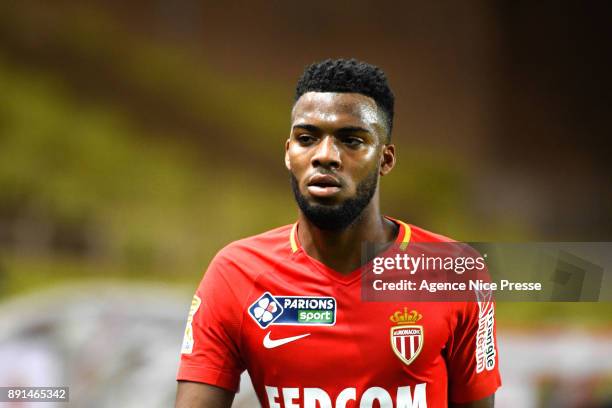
(137,139)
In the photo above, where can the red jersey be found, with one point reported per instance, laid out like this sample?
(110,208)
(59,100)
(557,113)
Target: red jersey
(307,339)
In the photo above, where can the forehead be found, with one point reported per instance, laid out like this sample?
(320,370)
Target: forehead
(334,108)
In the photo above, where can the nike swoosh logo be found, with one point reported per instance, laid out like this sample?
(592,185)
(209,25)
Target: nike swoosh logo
(269,343)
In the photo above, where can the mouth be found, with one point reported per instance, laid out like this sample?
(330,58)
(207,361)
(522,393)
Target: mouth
(323,185)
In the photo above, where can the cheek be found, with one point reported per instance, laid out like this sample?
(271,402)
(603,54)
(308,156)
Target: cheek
(361,169)
(372,156)
(297,160)
(367,163)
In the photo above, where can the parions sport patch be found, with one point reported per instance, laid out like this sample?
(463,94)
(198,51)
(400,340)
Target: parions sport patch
(293,310)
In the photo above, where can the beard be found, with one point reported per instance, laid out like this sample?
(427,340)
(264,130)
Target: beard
(337,217)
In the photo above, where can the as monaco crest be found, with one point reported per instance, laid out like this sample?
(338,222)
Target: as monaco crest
(406,337)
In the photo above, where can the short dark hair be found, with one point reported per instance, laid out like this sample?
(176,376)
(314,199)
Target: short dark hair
(349,75)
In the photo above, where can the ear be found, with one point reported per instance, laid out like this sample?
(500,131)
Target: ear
(387,159)
(287,162)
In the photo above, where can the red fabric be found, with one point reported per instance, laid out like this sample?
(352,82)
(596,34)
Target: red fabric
(355,353)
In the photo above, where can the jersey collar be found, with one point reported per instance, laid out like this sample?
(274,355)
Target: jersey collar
(402,239)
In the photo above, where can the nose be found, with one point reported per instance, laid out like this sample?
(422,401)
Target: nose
(327,154)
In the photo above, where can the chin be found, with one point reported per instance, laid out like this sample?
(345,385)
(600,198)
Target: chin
(325,201)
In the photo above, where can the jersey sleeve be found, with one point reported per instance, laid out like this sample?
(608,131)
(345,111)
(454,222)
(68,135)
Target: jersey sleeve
(210,352)
(472,355)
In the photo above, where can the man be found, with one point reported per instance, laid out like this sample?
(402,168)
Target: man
(286,305)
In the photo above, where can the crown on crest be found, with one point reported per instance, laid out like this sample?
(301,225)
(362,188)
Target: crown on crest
(405,316)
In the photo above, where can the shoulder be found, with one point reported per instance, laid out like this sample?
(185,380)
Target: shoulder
(418,234)
(275,241)
(247,257)
(237,266)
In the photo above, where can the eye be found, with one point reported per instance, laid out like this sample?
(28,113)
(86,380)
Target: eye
(305,138)
(353,141)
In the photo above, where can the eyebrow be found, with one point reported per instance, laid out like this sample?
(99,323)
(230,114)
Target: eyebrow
(309,128)
(346,129)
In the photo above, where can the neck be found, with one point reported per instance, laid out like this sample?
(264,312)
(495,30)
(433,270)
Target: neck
(341,249)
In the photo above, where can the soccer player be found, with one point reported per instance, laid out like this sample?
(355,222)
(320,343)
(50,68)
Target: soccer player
(286,304)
